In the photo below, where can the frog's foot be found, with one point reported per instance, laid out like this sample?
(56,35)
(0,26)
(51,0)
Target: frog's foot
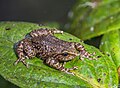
(84,53)
(87,55)
(55,31)
(55,64)
(21,60)
(69,70)
(20,53)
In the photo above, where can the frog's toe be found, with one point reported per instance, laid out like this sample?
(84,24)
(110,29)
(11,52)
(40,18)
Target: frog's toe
(21,60)
(17,61)
(81,58)
(55,31)
(69,69)
(75,67)
(58,31)
(27,65)
(70,73)
(24,62)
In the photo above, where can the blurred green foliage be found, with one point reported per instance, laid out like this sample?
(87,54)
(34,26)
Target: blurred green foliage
(89,18)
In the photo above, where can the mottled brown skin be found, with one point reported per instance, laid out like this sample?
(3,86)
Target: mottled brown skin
(52,50)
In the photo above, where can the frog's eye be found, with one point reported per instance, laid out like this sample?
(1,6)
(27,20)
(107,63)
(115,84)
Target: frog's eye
(65,54)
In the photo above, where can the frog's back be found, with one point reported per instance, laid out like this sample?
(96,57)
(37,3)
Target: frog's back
(49,45)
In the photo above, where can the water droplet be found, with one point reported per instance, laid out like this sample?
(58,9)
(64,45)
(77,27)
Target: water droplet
(92,29)
(70,14)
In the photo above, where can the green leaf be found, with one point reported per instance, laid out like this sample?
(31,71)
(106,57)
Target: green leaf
(91,19)
(110,45)
(99,73)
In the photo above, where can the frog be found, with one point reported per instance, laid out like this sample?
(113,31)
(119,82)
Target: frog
(54,52)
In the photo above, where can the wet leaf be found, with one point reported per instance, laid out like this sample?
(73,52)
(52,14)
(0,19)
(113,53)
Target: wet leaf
(89,19)
(90,73)
(110,45)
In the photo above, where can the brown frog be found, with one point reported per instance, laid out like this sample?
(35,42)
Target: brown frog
(52,50)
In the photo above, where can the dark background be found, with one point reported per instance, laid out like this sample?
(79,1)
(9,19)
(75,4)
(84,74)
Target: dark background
(36,11)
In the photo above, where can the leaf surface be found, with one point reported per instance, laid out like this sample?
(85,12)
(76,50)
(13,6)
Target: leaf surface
(110,45)
(90,73)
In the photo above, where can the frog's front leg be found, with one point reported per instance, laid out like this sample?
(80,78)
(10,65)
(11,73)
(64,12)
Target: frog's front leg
(57,65)
(83,52)
(40,32)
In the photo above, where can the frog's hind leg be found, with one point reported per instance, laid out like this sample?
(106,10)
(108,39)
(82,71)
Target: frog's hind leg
(24,50)
(83,52)
(44,31)
(21,55)
(57,65)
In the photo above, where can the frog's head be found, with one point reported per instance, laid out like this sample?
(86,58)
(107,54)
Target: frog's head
(67,55)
